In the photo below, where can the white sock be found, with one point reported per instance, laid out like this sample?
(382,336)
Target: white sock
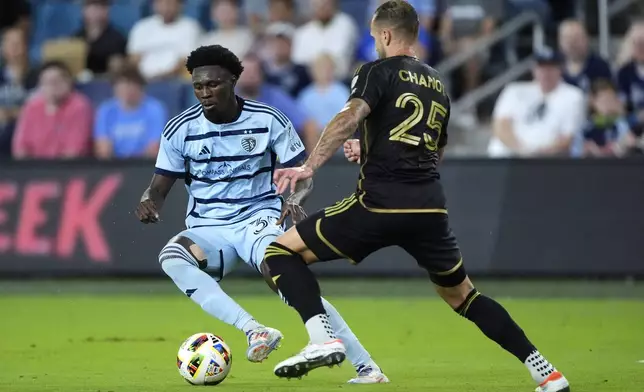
(183,269)
(539,367)
(355,351)
(250,325)
(320,330)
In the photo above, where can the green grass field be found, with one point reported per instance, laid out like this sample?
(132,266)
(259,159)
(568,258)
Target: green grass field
(123,336)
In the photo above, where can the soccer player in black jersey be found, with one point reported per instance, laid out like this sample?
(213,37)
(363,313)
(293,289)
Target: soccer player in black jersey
(402,109)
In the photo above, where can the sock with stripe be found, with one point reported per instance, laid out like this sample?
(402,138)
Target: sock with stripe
(495,322)
(200,287)
(299,288)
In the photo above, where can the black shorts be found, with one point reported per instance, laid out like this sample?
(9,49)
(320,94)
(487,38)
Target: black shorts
(349,230)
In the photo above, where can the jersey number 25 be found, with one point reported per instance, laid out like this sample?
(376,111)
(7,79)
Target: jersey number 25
(400,132)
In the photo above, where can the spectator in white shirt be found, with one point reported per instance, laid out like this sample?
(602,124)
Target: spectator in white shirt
(228,33)
(330,31)
(160,43)
(538,118)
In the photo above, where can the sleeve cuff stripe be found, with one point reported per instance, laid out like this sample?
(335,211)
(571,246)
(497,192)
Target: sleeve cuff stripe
(169,173)
(295,160)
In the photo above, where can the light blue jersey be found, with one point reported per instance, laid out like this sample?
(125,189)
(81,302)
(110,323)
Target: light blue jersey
(228,167)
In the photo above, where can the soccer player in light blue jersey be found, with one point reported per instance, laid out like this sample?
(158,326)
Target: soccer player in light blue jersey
(226,149)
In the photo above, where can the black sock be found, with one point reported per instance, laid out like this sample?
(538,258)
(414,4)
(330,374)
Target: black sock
(495,322)
(295,281)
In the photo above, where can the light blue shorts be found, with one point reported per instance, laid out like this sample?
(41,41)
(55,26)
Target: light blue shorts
(245,241)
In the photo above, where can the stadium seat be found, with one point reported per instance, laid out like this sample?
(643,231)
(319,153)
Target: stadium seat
(71,51)
(171,93)
(97,91)
(54,19)
(125,13)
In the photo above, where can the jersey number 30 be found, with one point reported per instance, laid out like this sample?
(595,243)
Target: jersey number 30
(434,122)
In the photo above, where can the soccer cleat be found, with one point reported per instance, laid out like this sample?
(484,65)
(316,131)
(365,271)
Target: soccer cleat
(261,342)
(312,357)
(555,382)
(369,375)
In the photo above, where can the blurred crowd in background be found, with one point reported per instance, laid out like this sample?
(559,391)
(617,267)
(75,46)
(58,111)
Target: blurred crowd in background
(100,78)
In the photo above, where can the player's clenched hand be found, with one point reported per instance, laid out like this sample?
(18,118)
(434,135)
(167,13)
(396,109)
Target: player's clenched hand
(295,210)
(285,178)
(352,150)
(146,211)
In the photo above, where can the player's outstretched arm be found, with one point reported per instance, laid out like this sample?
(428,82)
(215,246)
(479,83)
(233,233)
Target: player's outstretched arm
(153,198)
(341,127)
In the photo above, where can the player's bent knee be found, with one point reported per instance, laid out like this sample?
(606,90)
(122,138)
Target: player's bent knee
(456,295)
(183,248)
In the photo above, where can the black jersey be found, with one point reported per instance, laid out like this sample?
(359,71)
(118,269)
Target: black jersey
(402,135)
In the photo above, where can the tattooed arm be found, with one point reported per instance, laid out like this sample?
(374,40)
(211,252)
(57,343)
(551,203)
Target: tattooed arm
(341,128)
(367,87)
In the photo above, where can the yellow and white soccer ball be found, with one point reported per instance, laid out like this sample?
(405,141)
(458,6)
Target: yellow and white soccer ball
(204,359)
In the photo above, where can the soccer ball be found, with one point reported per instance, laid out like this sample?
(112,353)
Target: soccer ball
(204,359)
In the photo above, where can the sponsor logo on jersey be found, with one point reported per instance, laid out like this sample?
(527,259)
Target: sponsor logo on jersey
(223,170)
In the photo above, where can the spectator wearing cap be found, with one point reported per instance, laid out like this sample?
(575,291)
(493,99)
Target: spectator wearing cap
(228,33)
(607,132)
(17,78)
(251,85)
(540,117)
(159,44)
(57,121)
(130,124)
(582,67)
(106,45)
(331,31)
(279,67)
(325,97)
(630,78)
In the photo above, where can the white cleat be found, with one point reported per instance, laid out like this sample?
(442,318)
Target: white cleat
(369,375)
(261,342)
(555,382)
(312,357)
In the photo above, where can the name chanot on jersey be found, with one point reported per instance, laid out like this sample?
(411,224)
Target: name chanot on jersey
(422,80)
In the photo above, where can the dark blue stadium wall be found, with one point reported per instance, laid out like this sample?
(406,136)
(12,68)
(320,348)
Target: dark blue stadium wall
(518,218)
